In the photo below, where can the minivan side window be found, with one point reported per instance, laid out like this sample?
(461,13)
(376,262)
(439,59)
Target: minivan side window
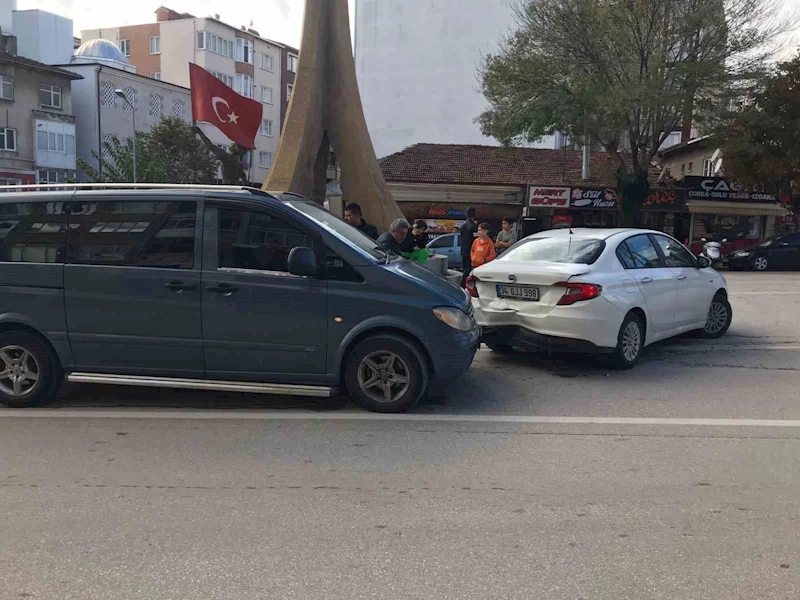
(33,232)
(155,234)
(257,241)
(638,252)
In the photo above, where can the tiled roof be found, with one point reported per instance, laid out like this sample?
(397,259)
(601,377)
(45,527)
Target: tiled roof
(492,165)
(13,59)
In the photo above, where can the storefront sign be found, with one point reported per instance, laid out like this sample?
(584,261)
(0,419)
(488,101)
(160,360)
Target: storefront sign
(665,200)
(436,212)
(594,198)
(562,220)
(548,196)
(716,188)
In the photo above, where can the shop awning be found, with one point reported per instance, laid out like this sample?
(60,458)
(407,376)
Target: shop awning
(742,209)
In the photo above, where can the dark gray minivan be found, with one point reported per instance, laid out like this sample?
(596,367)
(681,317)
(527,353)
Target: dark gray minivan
(216,288)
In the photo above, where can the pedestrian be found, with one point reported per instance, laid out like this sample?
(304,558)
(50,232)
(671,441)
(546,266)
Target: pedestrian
(417,239)
(391,240)
(505,239)
(482,248)
(353,215)
(467,230)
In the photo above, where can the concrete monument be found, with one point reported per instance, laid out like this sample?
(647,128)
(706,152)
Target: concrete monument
(325,109)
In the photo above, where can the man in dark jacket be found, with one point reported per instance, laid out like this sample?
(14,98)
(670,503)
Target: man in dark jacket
(468,232)
(352,214)
(391,240)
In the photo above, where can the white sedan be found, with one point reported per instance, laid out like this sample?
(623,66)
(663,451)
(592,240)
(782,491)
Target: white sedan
(597,290)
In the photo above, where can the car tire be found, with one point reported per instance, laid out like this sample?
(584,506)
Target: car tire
(500,348)
(630,342)
(28,370)
(386,373)
(720,316)
(760,263)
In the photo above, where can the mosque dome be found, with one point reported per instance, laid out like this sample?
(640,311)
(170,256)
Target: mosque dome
(102,51)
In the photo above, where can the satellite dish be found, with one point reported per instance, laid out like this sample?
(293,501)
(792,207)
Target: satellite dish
(717,166)
(716,154)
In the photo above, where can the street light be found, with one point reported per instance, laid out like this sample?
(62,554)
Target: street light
(122,95)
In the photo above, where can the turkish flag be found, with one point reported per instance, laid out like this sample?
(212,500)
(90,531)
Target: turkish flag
(214,102)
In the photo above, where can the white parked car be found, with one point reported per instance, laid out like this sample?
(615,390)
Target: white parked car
(597,290)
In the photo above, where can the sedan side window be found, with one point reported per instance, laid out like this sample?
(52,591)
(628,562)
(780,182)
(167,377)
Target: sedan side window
(638,252)
(675,254)
(446,241)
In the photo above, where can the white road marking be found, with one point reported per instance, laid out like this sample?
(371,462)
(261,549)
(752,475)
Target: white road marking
(764,293)
(727,348)
(252,415)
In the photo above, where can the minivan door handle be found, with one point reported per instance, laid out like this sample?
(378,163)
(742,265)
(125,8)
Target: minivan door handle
(226,289)
(179,286)
(646,279)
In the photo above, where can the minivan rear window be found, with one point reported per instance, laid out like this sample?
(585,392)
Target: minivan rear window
(561,249)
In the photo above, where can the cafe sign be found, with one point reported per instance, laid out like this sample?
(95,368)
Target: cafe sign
(667,200)
(717,188)
(555,197)
(594,198)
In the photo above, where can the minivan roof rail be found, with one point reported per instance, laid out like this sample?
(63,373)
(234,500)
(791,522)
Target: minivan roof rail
(127,186)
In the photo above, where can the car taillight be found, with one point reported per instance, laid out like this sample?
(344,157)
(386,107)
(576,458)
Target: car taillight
(577,292)
(471,287)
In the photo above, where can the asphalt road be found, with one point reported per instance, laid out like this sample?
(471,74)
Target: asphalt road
(536,477)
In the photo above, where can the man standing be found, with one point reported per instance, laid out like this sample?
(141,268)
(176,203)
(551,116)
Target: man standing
(505,239)
(468,231)
(392,239)
(352,214)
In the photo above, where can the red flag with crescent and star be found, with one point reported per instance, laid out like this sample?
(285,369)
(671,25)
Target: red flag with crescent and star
(214,102)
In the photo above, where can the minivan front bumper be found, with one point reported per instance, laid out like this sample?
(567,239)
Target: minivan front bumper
(452,354)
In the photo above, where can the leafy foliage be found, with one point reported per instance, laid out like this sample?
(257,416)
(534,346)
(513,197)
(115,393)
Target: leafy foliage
(169,153)
(761,140)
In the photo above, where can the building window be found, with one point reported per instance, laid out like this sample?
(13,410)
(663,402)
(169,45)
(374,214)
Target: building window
(267,95)
(690,168)
(244,85)
(267,62)
(8,139)
(125,47)
(46,176)
(244,51)
(708,168)
(155,75)
(69,143)
(292,64)
(214,43)
(289,90)
(108,141)
(50,95)
(41,141)
(265,160)
(130,97)
(55,142)
(266,127)
(226,79)
(177,109)
(683,168)
(156,105)
(6,87)
(155,45)
(107,95)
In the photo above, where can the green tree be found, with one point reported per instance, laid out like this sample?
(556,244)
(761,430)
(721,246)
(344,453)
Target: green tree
(761,140)
(623,73)
(168,153)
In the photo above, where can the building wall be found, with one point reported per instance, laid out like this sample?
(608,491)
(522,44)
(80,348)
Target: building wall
(139,38)
(178,43)
(272,112)
(688,161)
(21,114)
(416,67)
(288,80)
(43,36)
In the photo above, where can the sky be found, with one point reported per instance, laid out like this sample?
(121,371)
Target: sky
(280,20)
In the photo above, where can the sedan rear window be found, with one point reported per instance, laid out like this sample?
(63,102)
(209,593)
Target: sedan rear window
(561,249)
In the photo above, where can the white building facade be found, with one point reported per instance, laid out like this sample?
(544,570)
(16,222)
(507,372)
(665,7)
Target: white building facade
(416,64)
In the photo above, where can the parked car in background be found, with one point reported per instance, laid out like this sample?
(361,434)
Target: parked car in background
(599,291)
(216,288)
(448,245)
(779,252)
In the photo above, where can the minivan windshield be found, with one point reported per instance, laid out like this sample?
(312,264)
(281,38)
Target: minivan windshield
(339,228)
(561,249)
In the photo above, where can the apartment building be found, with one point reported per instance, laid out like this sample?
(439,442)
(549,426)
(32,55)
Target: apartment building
(253,66)
(37,126)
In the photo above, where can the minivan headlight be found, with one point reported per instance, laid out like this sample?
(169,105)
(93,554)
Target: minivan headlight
(454,317)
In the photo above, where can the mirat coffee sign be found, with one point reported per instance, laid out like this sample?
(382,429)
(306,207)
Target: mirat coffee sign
(594,198)
(548,196)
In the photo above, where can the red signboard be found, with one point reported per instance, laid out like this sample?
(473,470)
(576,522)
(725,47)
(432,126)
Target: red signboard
(542,196)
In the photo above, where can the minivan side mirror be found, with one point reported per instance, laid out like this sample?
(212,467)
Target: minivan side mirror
(703,262)
(302,262)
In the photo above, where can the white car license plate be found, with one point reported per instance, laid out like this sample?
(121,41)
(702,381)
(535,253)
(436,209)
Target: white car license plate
(518,292)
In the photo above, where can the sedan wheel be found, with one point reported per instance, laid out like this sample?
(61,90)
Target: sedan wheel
(630,342)
(720,315)
(760,263)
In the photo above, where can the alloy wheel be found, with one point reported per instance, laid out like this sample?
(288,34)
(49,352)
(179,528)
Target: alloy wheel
(19,371)
(384,376)
(717,317)
(761,263)
(631,341)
